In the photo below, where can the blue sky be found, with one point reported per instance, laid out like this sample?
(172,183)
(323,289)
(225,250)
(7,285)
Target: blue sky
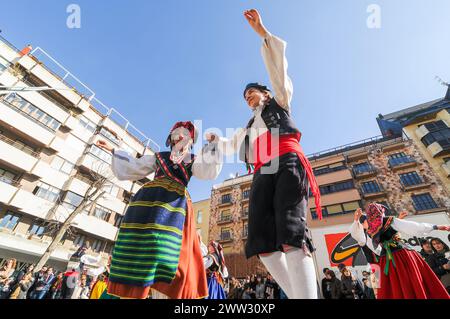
(158,62)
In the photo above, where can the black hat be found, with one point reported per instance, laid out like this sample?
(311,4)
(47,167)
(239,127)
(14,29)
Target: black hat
(256,85)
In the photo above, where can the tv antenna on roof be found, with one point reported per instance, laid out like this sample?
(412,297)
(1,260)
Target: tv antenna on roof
(442,82)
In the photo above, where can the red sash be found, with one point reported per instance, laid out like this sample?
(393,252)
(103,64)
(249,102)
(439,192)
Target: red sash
(264,151)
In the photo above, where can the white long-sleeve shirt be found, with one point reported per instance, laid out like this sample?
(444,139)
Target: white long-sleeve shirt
(273,52)
(206,165)
(401,225)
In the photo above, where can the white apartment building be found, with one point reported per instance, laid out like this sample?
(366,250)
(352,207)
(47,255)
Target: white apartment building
(47,155)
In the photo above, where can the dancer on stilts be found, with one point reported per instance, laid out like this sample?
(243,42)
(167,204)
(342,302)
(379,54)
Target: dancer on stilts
(157,245)
(216,270)
(278,204)
(404,274)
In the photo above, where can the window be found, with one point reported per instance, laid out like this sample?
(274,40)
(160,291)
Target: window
(117,220)
(199,217)
(33,112)
(345,208)
(3,64)
(411,178)
(62,165)
(246,194)
(329,168)
(111,189)
(72,200)
(435,126)
(79,240)
(36,230)
(6,176)
(363,168)
(47,192)
(399,159)
(338,187)
(441,136)
(110,136)
(101,154)
(225,215)
(225,234)
(10,221)
(87,124)
(102,213)
(370,187)
(245,230)
(97,245)
(226,198)
(423,202)
(245,211)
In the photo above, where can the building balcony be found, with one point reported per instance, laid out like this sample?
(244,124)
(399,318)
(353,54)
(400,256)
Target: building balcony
(112,203)
(30,204)
(446,168)
(95,226)
(50,175)
(225,203)
(51,79)
(334,176)
(438,206)
(7,190)
(439,148)
(78,185)
(421,131)
(401,162)
(26,125)
(13,153)
(373,193)
(92,163)
(423,183)
(360,173)
(225,219)
(244,234)
(244,215)
(225,238)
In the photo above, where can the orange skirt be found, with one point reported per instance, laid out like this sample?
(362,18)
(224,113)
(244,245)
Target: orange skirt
(190,279)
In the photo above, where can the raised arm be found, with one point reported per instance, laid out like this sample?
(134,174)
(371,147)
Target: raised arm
(208,164)
(273,51)
(228,146)
(416,229)
(126,167)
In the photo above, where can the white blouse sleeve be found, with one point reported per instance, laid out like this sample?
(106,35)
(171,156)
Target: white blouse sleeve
(357,232)
(232,145)
(412,228)
(208,164)
(127,167)
(273,52)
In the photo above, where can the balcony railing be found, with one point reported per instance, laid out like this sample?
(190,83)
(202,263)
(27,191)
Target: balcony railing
(328,170)
(225,219)
(9,141)
(364,170)
(9,181)
(416,183)
(244,214)
(394,162)
(370,191)
(225,236)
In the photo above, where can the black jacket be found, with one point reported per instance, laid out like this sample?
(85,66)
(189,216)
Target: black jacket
(326,288)
(436,261)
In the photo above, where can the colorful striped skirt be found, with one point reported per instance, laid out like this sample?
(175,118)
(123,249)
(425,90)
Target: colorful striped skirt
(157,246)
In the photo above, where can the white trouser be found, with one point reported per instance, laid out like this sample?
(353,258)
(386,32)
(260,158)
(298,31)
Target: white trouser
(294,271)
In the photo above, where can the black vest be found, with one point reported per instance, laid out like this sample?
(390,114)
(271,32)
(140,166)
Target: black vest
(277,120)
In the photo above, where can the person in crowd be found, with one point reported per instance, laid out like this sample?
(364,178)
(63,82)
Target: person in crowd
(69,283)
(43,284)
(20,290)
(7,278)
(350,286)
(247,292)
(368,292)
(236,289)
(426,250)
(260,288)
(326,284)
(439,261)
(270,287)
(84,288)
(56,288)
(335,285)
